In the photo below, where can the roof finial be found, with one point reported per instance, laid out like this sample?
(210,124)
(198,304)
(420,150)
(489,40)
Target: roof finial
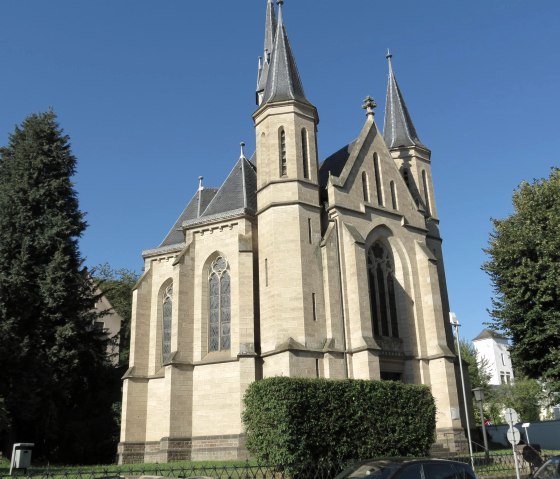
(369,105)
(280,2)
(200,187)
(242,155)
(389,55)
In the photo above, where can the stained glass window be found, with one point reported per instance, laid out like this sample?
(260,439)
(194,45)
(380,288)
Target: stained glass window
(283,160)
(167,314)
(219,327)
(382,292)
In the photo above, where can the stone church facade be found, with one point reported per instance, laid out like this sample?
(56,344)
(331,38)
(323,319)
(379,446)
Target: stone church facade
(292,267)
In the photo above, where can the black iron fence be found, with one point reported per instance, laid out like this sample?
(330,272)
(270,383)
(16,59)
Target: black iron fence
(492,465)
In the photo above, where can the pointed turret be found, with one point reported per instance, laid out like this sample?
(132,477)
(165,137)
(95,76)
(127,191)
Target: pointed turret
(264,63)
(398,130)
(283,82)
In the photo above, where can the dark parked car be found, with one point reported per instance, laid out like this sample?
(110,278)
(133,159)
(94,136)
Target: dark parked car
(549,470)
(408,469)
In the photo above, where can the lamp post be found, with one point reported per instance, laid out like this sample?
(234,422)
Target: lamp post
(455,323)
(479,397)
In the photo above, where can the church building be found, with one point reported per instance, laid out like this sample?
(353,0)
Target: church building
(292,267)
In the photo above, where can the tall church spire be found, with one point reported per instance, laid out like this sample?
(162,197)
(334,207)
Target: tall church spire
(398,129)
(283,82)
(269,33)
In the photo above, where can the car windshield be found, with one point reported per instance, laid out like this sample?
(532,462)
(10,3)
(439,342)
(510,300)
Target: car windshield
(371,470)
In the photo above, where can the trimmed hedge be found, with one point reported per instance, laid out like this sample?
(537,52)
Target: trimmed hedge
(297,423)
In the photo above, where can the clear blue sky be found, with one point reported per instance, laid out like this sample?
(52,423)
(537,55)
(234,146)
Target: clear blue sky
(156,93)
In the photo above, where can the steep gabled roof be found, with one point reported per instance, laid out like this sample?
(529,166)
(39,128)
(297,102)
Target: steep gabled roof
(398,129)
(198,203)
(335,163)
(238,193)
(283,82)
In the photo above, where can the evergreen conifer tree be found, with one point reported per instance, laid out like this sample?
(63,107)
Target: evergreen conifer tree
(56,381)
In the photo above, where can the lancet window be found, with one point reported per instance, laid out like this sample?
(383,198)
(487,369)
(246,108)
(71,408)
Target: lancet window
(305,153)
(382,291)
(365,186)
(283,159)
(426,193)
(378,186)
(167,307)
(219,327)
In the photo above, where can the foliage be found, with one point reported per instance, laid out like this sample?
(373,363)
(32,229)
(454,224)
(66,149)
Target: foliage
(479,375)
(524,395)
(524,267)
(56,382)
(300,422)
(4,418)
(117,286)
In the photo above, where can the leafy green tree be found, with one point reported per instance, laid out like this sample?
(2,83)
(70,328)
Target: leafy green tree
(55,379)
(479,376)
(117,286)
(524,267)
(524,395)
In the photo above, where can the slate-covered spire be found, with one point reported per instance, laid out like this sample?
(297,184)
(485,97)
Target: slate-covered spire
(398,129)
(283,82)
(264,63)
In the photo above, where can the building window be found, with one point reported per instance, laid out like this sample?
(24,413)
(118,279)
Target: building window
(426,192)
(382,292)
(305,153)
(309,230)
(266,272)
(377,179)
(283,161)
(314,305)
(405,176)
(394,203)
(365,186)
(219,331)
(167,308)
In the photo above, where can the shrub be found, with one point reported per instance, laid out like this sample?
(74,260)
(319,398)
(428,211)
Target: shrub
(298,423)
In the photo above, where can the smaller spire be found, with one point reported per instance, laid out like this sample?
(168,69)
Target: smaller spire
(200,187)
(369,105)
(398,130)
(242,155)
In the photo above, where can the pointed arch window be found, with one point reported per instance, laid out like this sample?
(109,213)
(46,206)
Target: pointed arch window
(377,179)
(394,196)
(305,153)
(283,160)
(426,192)
(365,186)
(382,291)
(219,327)
(167,309)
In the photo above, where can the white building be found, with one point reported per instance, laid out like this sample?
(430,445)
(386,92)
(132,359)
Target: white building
(493,349)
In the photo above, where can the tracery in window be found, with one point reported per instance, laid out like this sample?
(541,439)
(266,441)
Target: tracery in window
(167,308)
(219,330)
(382,291)
(283,160)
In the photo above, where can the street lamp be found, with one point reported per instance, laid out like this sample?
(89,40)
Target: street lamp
(479,397)
(455,323)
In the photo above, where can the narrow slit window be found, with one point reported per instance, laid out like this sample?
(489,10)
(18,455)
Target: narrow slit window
(426,192)
(394,196)
(317,370)
(305,153)
(266,272)
(365,186)
(378,180)
(314,305)
(283,161)
(309,230)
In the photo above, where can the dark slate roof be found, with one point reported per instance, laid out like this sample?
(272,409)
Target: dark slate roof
(398,129)
(193,210)
(269,32)
(335,163)
(489,334)
(284,82)
(238,192)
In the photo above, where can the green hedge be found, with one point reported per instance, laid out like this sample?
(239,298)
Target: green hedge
(298,423)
